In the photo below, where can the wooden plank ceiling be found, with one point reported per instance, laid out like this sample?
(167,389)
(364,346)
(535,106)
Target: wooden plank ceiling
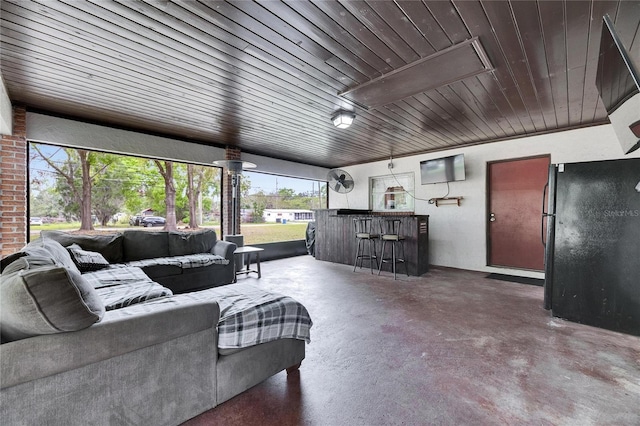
(265,76)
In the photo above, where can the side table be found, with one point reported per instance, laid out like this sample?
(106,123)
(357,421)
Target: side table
(248,250)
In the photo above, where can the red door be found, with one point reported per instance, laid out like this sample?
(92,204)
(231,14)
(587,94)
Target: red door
(515,209)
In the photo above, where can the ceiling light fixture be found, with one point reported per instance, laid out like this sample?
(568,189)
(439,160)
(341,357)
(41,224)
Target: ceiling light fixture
(343,119)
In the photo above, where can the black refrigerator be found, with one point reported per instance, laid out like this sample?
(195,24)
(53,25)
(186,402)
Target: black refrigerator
(592,244)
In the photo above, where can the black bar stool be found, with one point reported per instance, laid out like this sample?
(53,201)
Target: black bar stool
(390,231)
(363,230)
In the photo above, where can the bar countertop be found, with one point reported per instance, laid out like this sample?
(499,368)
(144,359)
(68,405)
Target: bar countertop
(335,237)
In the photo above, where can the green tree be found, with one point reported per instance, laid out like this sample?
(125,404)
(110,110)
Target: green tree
(258,202)
(110,189)
(211,193)
(119,182)
(76,170)
(139,175)
(245,186)
(45,202)
(299,202)
(146,189)
(182,202)
(199,179)
(286,193)
(166,171)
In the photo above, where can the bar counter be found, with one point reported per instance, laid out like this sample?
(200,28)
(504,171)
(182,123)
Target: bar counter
(336,240)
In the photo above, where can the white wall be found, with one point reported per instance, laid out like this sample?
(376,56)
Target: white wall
(59,131)
(458,234)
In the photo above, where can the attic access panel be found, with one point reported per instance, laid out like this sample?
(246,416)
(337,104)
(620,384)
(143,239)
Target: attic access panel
(447,66)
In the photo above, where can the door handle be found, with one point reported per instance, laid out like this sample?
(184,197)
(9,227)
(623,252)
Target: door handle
(544,197)
(544,214)
(492,217)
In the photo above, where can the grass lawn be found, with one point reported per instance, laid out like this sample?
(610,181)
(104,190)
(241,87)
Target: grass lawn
(253,233)
(70,226)
(272,232)
(65,226)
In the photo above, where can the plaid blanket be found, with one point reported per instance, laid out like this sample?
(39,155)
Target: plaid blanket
(250,315)
(185,261)
(120,287)
(116,275)
(248,318)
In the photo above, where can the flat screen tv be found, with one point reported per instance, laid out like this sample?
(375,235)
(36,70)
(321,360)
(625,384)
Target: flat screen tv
(618,83)
(446,169)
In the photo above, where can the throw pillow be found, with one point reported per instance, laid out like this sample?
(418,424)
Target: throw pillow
(87,261)
(8,260)
(38,297)
(45,247)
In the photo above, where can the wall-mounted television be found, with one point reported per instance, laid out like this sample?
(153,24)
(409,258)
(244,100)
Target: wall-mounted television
(618,83)
(445,169)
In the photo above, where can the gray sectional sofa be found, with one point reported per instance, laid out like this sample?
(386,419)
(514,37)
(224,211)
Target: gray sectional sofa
(150,358)
(153,252)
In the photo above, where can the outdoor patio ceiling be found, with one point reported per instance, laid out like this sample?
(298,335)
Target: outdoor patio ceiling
(266,76)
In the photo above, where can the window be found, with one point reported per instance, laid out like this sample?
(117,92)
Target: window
(278,208)
(392,192)
(125,191)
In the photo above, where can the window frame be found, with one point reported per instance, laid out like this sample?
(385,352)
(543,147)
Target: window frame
(394,185)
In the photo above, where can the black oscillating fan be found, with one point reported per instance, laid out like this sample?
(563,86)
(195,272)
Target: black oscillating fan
(340,181)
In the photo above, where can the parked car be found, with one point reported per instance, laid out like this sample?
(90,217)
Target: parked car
(149,221)
(35,221)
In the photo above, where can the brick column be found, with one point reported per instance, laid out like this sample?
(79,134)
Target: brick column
(13,182)
(231,153)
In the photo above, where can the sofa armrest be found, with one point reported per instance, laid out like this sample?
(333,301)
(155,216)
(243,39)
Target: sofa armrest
(121,331)
(224,249)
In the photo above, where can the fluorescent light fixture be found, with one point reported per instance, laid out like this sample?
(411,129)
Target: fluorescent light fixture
(343,119)
(455,63)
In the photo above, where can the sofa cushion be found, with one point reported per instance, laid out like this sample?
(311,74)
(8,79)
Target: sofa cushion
(109,245)
(145,245)
(187,261)
(38,296)
(115,276)
(181,243)
(163,267)
(156,270)
(159,271)
(45,247)
(120,287)
(87,261)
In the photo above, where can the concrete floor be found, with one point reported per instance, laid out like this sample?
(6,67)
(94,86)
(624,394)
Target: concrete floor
(450,347)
